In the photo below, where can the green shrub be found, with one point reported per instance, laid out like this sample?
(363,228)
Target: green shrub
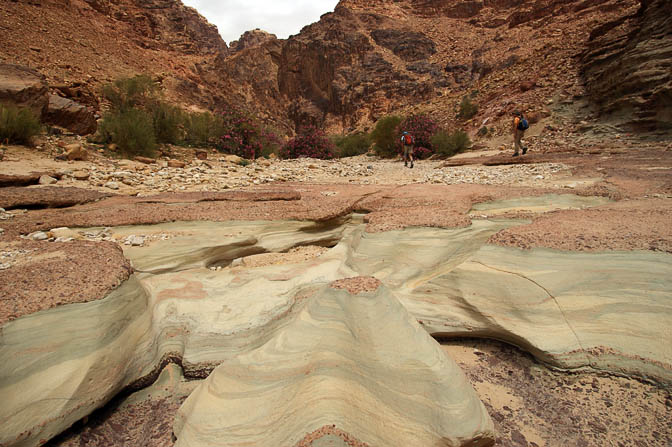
(467,109)
(385,137)
(17,125)
(351,145)
(127,93)
(446,144)
(167,121)
(131,130)
(202,129)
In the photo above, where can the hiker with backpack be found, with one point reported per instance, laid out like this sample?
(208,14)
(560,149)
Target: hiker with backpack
(407,142)
(520,125)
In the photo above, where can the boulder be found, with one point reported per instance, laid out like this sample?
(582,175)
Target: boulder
(201,154)
(75,152)
(65,233)
(23,87)
(47,180)
(71,115)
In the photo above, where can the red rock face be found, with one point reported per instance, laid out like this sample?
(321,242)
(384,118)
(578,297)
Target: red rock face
(165,24)
(251,39)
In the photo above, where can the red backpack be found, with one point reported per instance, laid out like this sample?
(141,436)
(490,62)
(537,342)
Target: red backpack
(408,139)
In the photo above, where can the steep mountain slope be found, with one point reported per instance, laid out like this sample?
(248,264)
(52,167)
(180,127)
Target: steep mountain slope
(367,58)
(84,44)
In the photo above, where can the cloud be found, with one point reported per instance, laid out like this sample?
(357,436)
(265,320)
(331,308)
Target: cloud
(280,17)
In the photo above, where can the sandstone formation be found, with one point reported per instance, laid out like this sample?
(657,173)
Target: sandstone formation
(626,67)
(188,304)
(343,362)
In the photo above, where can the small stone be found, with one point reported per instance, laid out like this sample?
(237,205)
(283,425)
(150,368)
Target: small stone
(80,175)
(201,154)
(64,233)
(135,241)
(47,180)
(112,185)
(75,152)
(5,266)
(38,236)
(176,164)
(145,160)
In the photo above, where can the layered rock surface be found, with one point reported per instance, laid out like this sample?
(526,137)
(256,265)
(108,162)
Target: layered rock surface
(359,363)
(627,67)
(187,303)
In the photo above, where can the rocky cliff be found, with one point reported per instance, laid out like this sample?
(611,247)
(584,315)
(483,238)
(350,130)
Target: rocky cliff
(627,67)
(364,60)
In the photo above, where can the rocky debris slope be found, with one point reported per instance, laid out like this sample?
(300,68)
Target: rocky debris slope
(80,45)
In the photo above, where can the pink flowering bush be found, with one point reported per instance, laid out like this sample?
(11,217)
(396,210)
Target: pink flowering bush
(422,127)
(241,134)
(310,142)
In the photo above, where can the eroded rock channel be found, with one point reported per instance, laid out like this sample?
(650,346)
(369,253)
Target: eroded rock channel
(335,344)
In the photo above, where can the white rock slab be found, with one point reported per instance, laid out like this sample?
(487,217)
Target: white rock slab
(361,363)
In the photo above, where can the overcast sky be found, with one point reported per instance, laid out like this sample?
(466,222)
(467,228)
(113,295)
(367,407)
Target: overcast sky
(279,17)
